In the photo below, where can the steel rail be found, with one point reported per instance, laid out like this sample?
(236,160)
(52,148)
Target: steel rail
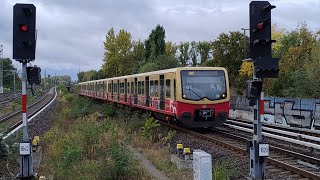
(291,140)
(32,115)
(8,116)
(284,132)
(310,132)
(270,160)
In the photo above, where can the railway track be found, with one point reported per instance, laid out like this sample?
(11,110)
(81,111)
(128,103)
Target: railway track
(13,120)
(7,98)
(293,165)
(303,140)
(301,131)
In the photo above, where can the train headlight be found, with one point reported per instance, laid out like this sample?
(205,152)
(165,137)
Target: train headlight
(184,96)
(223,96)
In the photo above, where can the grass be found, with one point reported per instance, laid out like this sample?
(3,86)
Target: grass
(81,145)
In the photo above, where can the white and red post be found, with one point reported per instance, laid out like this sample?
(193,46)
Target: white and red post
(26,169)
(24,102)
(262,106)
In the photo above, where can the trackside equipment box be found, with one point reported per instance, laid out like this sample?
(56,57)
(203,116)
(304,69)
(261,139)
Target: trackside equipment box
(202,165)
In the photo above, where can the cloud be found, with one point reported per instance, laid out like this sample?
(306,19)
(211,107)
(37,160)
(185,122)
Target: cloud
(71,32)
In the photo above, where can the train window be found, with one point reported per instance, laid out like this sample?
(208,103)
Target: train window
(139,87)
(174,89)
(121,88)
(132,87)
(114,87)
(151,88)
(203,84)
(142,87)
(167,88)
(128,88)
(117,87)
(156,88)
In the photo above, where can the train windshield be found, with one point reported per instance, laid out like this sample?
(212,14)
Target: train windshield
(200,84)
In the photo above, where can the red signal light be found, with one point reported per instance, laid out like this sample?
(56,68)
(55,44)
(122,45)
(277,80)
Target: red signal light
(24,28)
(260,26)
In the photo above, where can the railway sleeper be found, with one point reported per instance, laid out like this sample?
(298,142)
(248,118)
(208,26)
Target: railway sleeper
(286,173)
(309,165)
(274,170)
(307,168)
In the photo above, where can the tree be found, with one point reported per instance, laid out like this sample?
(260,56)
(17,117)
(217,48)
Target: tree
(171,49)
(295,54)
(166,62)
(184,53)
(193,54)
(8,75)
(155,44)
(88,75)
(162,62)
(227,51)
(117,61)
(246,69)
(203,49)
(138,56)
(80,76)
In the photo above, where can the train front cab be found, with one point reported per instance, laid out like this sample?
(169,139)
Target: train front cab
(202,97)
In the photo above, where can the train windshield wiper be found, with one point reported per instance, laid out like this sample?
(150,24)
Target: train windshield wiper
(194,92)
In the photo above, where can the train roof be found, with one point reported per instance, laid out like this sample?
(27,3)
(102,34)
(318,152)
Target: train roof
(156,72)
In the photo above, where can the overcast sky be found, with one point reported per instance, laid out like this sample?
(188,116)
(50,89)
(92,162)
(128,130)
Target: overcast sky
(71,32)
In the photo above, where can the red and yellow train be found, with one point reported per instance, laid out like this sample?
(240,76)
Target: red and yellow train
(195,97)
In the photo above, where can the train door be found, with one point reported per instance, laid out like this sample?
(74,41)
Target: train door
(162,102)
(147,95)
(174,90)
(118,89)
(125,90)
(112,87)
(135,90)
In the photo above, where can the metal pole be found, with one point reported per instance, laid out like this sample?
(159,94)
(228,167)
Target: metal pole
(24,101)
(45,76)
(257,165)
(244,42)
(14,81)
(1,69)
(26,169)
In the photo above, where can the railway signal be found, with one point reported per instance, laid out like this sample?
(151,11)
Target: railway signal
(260,40)
(24,32)
(24,46)
(264,67)
(34,75)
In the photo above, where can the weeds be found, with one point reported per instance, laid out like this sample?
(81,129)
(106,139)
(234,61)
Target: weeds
(148,130)
(170,136)
(226,169)
(80,147)
(110,110)
(81,107)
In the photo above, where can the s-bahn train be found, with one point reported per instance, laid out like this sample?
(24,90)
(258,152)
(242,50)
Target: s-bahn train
(193,97)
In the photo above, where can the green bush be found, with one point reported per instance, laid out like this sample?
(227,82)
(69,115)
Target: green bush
(220,172)
(81,107)
(170,136)
(14,106)
(226,169)
(148,130)
(110,110)
(69,97)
